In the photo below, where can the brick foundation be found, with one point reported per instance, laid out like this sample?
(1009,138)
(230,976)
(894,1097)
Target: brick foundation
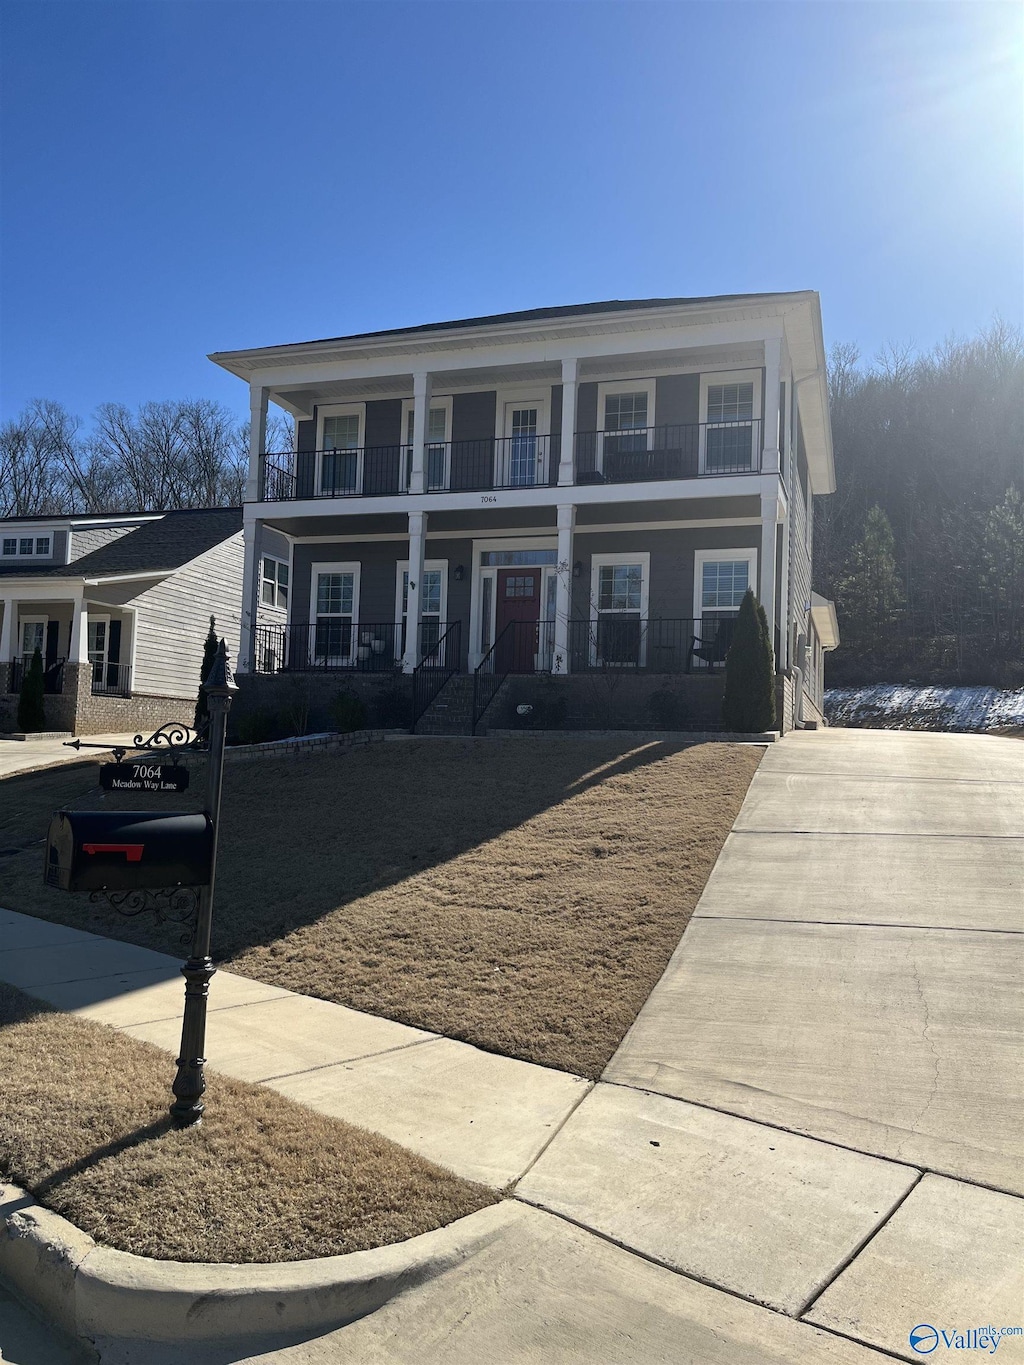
(75,709)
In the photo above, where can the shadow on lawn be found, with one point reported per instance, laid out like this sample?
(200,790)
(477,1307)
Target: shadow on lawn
(303,837)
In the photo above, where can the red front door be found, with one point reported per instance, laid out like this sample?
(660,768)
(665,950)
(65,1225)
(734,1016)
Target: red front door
(519,601)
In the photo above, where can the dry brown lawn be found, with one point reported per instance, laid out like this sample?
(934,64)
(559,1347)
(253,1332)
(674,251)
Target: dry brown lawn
(522,895)
(85,1129)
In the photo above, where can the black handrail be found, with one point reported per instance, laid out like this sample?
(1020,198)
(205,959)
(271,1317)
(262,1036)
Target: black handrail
(521,647)
(431,674)
(488,668)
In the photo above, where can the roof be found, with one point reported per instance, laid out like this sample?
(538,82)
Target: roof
(568,310)
(823,614)
(157,546)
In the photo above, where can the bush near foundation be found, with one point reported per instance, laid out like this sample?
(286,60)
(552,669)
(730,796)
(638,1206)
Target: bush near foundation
(31,712)
(748,706)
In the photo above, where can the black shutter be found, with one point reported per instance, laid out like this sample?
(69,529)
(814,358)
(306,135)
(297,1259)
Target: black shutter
(52,628)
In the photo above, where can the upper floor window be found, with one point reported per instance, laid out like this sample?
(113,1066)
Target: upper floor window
(274,582)
(341,439)
(438,422)
(23,546)
(626,413)
(731,405)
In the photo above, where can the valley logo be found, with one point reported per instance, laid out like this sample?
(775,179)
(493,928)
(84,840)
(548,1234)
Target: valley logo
(924,1338)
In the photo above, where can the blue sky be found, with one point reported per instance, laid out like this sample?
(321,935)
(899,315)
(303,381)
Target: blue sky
(184,177)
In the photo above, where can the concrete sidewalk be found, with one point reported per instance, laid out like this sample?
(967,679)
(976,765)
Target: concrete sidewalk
(31,755)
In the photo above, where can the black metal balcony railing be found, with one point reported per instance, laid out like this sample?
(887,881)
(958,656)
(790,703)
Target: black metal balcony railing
(336,643)
(690,451)
(111,680)
(53,676)
(696,450)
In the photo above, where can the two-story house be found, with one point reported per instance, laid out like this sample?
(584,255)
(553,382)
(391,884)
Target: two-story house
(565,491)
(118,607)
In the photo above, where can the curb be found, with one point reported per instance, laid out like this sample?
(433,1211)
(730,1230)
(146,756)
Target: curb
(94,1293)
(671,736)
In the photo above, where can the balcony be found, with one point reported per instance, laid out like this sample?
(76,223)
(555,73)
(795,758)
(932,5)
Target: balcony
(693,451)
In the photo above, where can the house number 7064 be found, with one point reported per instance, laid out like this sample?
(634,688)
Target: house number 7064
(488,497)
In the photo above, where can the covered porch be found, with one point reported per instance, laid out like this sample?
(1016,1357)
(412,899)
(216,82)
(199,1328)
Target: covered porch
(95,636)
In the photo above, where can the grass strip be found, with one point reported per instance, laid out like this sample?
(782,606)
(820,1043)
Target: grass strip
(84,1128)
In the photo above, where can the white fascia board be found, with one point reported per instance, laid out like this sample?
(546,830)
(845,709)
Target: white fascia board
(725,486)
(444,348)
(132,577)
(499,354)
(806,346)
(826,623)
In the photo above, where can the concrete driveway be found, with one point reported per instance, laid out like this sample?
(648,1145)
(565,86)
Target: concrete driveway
(29,755)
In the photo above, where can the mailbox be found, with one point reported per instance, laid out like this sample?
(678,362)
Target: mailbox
(125,850)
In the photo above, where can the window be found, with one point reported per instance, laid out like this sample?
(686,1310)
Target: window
(433,603)
(627,416)
(509,559)
(33,637)
(720,580)
(619,594)
(723,583)
(436,452)
(274,582)
(335,603)
(26,545)
(341,439)
(731,407)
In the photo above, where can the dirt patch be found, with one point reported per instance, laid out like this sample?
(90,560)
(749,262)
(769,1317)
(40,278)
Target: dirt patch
(521,895)
(84,1128)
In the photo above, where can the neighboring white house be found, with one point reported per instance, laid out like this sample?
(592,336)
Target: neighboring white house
(577,488)
(119,607)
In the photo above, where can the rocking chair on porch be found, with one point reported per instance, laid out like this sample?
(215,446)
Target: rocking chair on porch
(713,651)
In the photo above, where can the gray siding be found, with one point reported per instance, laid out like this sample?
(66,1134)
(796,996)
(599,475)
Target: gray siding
(172,619)
(305,459)
(672,552)
(677,400)
(90,538)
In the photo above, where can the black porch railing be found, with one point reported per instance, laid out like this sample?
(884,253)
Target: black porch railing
(53,676)
(622,641)
(521,647)
(111,680)
(338,644)
(439,663)
(690,451)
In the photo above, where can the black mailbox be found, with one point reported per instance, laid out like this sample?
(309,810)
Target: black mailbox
(123,850)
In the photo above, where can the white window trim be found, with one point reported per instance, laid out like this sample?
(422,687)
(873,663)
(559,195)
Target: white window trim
(476,594)
(402,568)
(406,447)
(612,388)
(524,396)
(34,536)
(717,377)
(702,557)
(600,561)
(353,567)
(275,605)
(339,410)
(24,621)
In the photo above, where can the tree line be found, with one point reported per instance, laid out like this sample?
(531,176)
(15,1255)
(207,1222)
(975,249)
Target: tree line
(922,544)
(163,455)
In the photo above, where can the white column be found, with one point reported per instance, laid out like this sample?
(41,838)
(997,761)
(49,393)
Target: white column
(769,521)
(570,372)
(250,597)
(772,377)
(257,439)
(421,386)
(563,587)
(417,549)
(78,653)
(787,555)
(7,629)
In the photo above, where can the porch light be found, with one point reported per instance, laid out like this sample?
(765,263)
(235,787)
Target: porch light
(460,573)
(577,569)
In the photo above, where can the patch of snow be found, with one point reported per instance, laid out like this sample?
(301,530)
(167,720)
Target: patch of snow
(903,707)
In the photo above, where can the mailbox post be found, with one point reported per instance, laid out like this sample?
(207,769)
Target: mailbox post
(190,1082)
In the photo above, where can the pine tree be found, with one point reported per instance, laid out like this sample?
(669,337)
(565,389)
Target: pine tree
(209,654)
(31,710)
(1003,573)
(748,706)
(869,594)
